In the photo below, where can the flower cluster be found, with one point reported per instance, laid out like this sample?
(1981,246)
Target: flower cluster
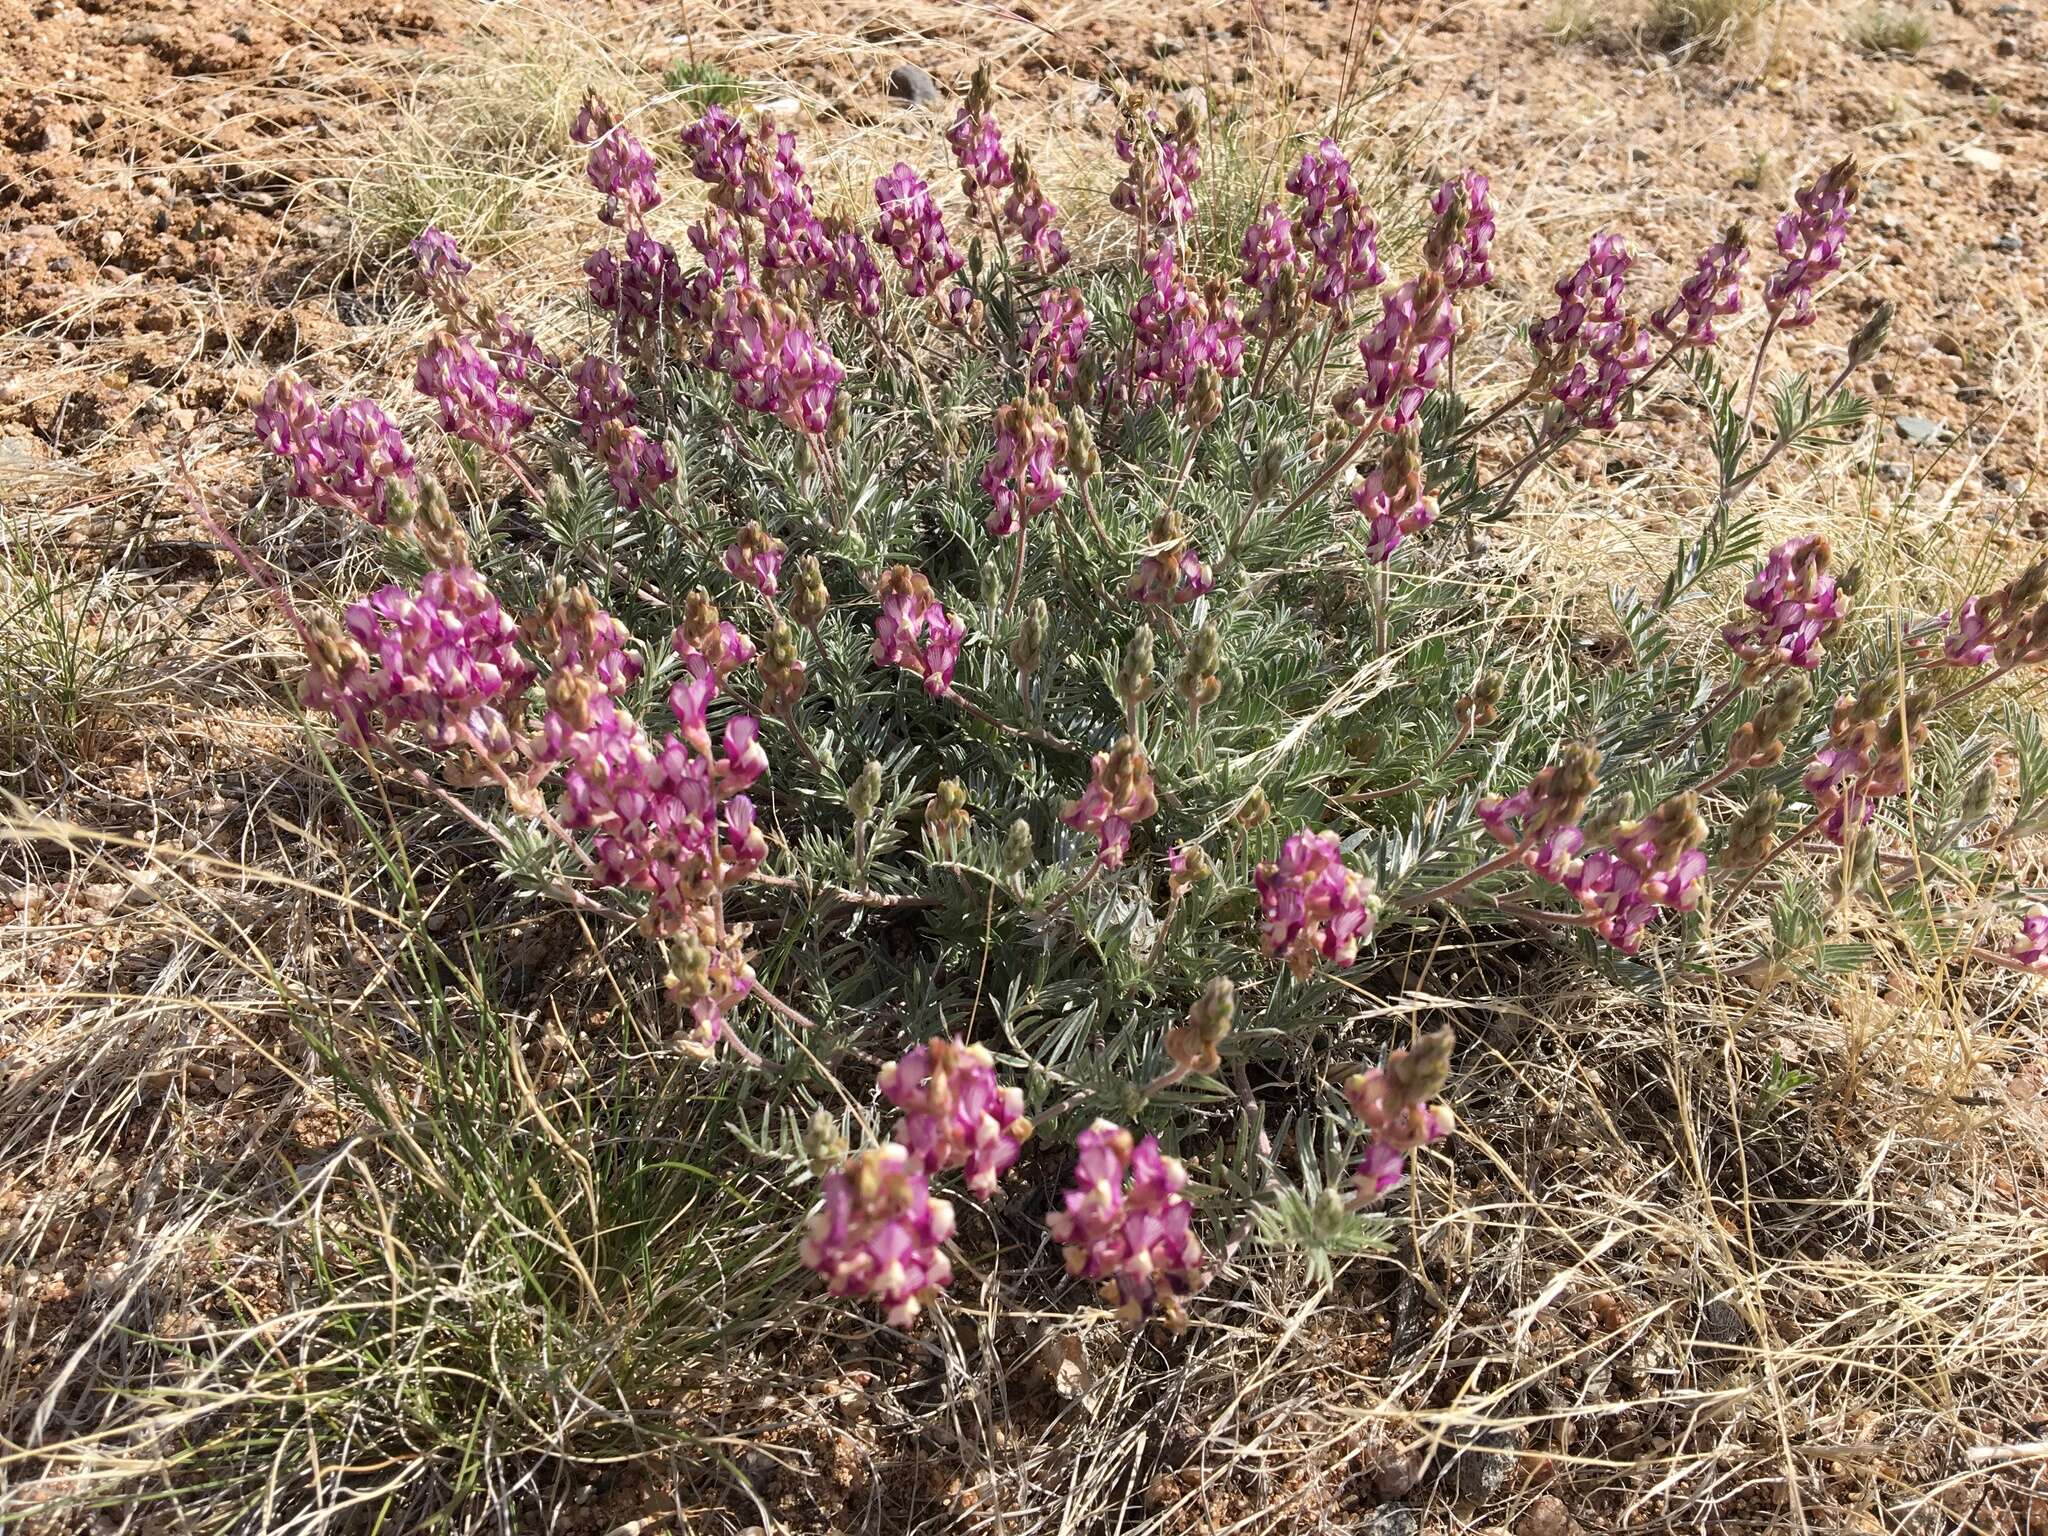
(1177,330)
(1548,806)
(1810,239)
(1404,354)
(1170,571)
(1797,604)
(672,821)
(2008,627)
(977,141)
(1460,245)
(1274,269)
(1393,1103)
(619,166)
(1052,338)
(1034,216)
(1339,230)
(955,1113)
(1711,293)
(641,291)
(1158,188)
(607,421)
(1589,351)
(351,458)
(776,365)
(756,559)
(469,391)
(1127,1224)
(1311,904)
(1872,734)
(913,631)
(445,660)
(910,225)
(1119,795)
(1647,865)
(1022,475)
(1393,499)
(881,1234)
(440,267)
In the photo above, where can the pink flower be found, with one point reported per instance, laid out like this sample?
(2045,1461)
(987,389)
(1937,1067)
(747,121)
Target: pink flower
(1404,354)
(1268,251)
(467,388)
(1797,606)
(1466,260)
(640,292)
(776,365)
(852,276)
(2030,949)
(1714,290)
(352,458)
(913,631)
(718,148)
(621,167)
(1033,215)
(440,266)
(881,1234)
(1337,227)
(955,1113)
(911,227)
(1158,189)
(1392,1102)
(1119,794)
(1310,904)
(1170,571)
(1052,339)
(756,559)
(1127,1224)
(1811,239)
(978,147)
(1022,475)
(446,661)
(1178,330)
(1393,499)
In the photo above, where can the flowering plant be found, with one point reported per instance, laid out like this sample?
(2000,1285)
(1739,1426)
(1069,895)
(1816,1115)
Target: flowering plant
(801,699)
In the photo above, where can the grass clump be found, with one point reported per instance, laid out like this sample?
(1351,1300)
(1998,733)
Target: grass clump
(1886,30)
(1706,29)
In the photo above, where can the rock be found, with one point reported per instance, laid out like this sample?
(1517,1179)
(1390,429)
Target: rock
(1165,47)
(1546,1517)
(1918,429)
(2006,242)
(1480,1472)
(1984,159)
(1892,472)
(1390,1520)
(909,83)
(1956,79)
(2005,47)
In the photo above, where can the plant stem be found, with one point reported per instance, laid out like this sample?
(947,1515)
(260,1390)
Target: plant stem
(1471,877)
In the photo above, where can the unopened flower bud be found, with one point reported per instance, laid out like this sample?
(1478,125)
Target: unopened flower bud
(824,1144)
(1205,399)
(1196,1045)
(1850,582)
(1479,706)
(1198,684)
(1020,851)
(1254,810)
(1974,803)
(1134,680)
(864,794)
(1754,831)
(1027,650)
(945,816)
(1268,472)
(808,600)
(1869,337)
(1420,1071)
(782,670)
(1187,867)
(1082,458)
(839,425)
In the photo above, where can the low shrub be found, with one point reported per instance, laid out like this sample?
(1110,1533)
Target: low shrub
(1060,742)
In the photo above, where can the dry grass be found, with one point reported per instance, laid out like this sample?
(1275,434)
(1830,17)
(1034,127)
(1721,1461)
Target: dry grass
(1741,1260)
